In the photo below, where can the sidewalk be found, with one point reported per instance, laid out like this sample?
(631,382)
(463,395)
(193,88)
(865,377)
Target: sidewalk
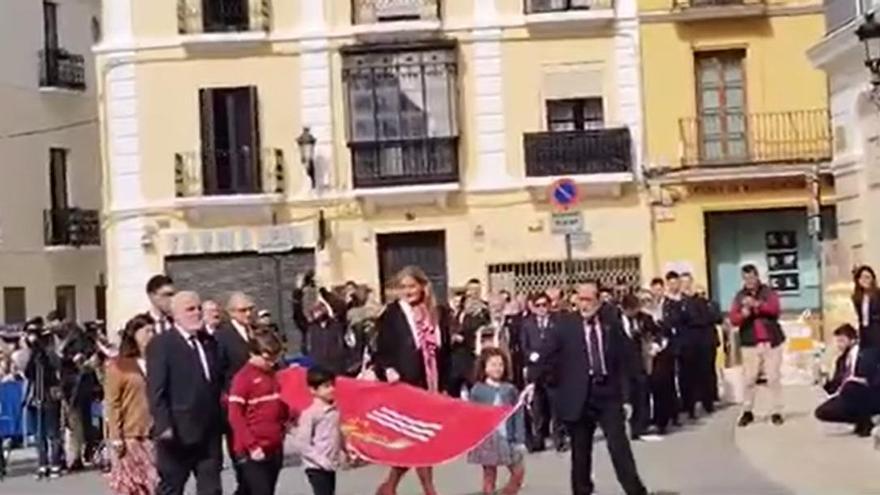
(809,457)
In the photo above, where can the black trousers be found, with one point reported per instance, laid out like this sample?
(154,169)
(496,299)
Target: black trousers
(540,417)
(854,404)
(241,487)
(609,416)
(261,477)
(663,395)
(688,368)
(709,376)
(323,482)
(176,462)
(639,397)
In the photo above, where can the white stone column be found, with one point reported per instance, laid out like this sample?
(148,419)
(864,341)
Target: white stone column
(315,92)
(488,104)
(628,80)
(129,266)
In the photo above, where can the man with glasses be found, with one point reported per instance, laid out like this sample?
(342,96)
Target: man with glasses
(160,290)
(536,331)
(587,360)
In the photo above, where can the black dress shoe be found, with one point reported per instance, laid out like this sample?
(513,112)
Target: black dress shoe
(863,429)
(746,419)
(777,420)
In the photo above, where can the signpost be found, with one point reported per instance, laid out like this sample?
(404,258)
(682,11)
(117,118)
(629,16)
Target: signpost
(565,195)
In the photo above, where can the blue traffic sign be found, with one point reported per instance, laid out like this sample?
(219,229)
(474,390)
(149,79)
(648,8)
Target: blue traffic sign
(564,193)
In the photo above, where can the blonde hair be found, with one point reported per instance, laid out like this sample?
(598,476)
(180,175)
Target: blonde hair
(422,279)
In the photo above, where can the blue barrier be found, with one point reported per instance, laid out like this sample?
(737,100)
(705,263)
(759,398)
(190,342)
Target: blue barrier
(12,419)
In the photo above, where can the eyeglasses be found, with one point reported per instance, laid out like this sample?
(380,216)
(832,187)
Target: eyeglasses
(246,309)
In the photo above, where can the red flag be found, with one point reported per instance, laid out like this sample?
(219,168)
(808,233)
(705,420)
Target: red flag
(400,425)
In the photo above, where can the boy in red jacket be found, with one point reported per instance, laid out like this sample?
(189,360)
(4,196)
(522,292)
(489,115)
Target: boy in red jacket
(258,416)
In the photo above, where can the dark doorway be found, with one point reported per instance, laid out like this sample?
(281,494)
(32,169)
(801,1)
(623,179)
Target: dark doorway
(426,250)
(230,140)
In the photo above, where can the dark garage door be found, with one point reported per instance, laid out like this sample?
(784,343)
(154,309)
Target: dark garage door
(268,278)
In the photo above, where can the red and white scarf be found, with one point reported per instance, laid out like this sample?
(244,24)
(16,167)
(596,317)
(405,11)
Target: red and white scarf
(428,342)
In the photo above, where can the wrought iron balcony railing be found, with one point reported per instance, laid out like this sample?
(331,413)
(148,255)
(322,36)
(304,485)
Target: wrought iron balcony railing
(592,151)
(60,69)
(229,172)
(756,138)
(71,227)
(404,162)
(548,6)
(373,11)
(223,16)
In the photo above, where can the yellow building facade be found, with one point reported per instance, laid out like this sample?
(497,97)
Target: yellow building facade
(254,141)
(737,142)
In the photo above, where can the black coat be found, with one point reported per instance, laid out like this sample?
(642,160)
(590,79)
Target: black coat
(327,345)
(533,342)
(869,335)
(180,396)
(396,348)
(564,364)
(234,351)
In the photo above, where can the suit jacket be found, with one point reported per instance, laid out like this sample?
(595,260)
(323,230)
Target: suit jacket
(564,364)
(396,348)
(234,351)
(180,396)
(533,342)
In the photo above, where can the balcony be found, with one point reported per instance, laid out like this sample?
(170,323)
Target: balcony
(382,17)
(62,70)
(554,13)
(699,10)
(578,153)
(230,176)
(412,162)
(71,227)
(209,23)
(795,137)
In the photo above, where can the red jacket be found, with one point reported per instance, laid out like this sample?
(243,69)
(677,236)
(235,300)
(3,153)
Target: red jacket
(257,414)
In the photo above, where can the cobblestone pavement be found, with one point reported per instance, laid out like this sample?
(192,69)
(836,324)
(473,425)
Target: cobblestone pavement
(701,459)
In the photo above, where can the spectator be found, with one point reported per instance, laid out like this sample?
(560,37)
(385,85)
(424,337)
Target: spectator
(755,311)
(81,389)
(43,398)
(213,316)
(326,338)
(853,388)
(133,463)
(866,299)
(160,290)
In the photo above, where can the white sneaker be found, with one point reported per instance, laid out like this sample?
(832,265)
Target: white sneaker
(651,437)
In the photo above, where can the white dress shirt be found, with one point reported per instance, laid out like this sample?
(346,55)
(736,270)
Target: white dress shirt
(242,331)
(203,358)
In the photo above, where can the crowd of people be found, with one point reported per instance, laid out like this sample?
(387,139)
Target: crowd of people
(189,376)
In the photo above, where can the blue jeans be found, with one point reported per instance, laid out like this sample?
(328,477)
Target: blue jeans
(47,429)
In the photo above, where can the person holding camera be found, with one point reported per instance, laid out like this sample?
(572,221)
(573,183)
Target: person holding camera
(80,359)
(43,398)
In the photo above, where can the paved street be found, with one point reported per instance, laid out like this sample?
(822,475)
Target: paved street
(707,458)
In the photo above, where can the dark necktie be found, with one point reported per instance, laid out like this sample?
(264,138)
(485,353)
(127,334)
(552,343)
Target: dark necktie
(596,357)
(194,344)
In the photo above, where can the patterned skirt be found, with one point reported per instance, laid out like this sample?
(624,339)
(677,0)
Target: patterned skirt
(495,451)
(134,473)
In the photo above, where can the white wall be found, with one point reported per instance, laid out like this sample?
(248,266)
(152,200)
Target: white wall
(31,122)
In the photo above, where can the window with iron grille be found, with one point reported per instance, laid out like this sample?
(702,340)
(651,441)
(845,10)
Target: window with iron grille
(402,115)
(538,276)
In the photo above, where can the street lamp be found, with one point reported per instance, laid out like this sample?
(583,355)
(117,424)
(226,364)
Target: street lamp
(869,35)
(306,142)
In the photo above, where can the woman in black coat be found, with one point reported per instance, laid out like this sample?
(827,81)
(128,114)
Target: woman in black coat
(866,299)
(413,347)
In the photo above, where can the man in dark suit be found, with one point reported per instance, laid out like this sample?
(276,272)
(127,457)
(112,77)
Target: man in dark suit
(233,340)
(536,329)
(853,386)
(183,383)
(587,359)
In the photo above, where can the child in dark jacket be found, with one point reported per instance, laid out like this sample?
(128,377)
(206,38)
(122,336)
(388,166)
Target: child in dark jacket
(258,416)
(506,446)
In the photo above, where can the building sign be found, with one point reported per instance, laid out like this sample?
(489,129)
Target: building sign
(567,223)
(782,260)
(269,239)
